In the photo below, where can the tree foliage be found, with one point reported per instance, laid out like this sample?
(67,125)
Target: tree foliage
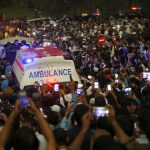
(59,7)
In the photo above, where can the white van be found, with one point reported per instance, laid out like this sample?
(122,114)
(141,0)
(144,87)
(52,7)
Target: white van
(43,64)
(44,21)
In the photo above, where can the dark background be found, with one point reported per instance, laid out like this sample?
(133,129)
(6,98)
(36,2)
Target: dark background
(76,7)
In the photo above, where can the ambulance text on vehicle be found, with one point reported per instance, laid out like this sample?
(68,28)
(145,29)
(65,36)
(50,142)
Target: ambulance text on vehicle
(43,64)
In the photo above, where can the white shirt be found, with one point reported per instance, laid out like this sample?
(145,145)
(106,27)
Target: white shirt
(89,91)
(42,141)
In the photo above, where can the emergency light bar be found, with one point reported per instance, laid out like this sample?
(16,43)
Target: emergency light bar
(101,40)
(134,8)
(28,61)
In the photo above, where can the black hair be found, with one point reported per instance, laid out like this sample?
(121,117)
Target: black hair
(60,136)
(25,114)
(129,102)
(104,123)
(52,118)
(107,143)
(32,122)
(100,101)
(135,81)
(80,110)
(127,124)
(25,139)
(46,101)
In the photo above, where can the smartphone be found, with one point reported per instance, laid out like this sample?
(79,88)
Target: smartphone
(99,112)
(116,76)
(41,83)
(127,91)
(56,87)
(89,77)
(24,102)
(146,75)
(96,85)
(80,86)
(116,81)
(79,91)
(109,87)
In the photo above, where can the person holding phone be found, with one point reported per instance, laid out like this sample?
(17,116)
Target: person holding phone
(56,87)
(79,89)
(24,103)
(47,132)
(109,87)
(96,85)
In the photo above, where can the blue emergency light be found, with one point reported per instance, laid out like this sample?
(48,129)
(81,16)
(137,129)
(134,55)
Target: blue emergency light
(28,61)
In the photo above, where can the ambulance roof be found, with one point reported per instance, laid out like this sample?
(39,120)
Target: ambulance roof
(40,52)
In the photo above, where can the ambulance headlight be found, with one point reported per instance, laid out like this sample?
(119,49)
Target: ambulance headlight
(28,61)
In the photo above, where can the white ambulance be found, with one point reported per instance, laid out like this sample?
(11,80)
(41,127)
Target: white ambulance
(43,64)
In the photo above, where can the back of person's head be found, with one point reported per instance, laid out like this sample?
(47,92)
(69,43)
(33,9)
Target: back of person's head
(25,139)
(31,123)
(130,105)
(100,101)
(134,81)
(80,110)
(46,101)
(52,117)
(127,124)
(23,42)
(24,115)
(60,136)
(107,143)
(104,123)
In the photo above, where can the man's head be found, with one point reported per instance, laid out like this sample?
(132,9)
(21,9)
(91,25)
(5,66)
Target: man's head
(25,139)
(60,136)
(80,110)
(107,143)
(127,124)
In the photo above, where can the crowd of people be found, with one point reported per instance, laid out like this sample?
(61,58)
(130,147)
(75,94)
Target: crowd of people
(108,111)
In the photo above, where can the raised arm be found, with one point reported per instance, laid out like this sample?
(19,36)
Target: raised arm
(86,119)
(46,130)
(121,135)
(7,127)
